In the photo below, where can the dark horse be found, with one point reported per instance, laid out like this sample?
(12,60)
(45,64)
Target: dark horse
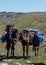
(26,39)
(11,34)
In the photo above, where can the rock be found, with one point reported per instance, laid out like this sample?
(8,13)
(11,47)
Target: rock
(17,63)
(3,64)
(7,60)
(28,62)
(32,64)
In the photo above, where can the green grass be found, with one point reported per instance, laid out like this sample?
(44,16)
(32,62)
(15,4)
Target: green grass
(29,20)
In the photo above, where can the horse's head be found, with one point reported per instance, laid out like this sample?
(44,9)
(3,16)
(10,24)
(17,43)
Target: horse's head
(20,35)
(9,28)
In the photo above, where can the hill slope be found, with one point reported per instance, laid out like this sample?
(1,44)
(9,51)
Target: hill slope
(32,20)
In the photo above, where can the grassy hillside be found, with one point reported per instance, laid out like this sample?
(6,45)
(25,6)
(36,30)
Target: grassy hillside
(32,21)
(29,20)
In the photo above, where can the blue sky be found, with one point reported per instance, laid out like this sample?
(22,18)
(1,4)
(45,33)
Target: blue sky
(23,5)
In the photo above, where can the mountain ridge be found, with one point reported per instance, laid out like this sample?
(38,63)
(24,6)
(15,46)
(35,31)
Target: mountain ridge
(8,15)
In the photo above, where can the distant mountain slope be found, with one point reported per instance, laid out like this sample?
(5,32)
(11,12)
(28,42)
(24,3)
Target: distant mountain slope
(6,15)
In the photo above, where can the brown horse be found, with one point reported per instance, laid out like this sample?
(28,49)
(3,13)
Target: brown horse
(26,39)
(11,34)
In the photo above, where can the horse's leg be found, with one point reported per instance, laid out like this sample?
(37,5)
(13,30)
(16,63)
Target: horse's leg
(27,47)
(12,49)
(7,52)
(7,48)
(34,48)
(37,49)
(23,50)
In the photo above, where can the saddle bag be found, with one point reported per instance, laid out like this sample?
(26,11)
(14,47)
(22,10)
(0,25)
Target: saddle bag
(38,38)
(3,38)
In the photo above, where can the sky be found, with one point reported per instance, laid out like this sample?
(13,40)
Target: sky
(23,5)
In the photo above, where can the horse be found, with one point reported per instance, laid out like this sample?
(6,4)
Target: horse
(26,38)
(11,35)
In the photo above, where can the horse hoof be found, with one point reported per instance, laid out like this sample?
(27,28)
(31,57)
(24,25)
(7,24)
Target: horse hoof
(26,57)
